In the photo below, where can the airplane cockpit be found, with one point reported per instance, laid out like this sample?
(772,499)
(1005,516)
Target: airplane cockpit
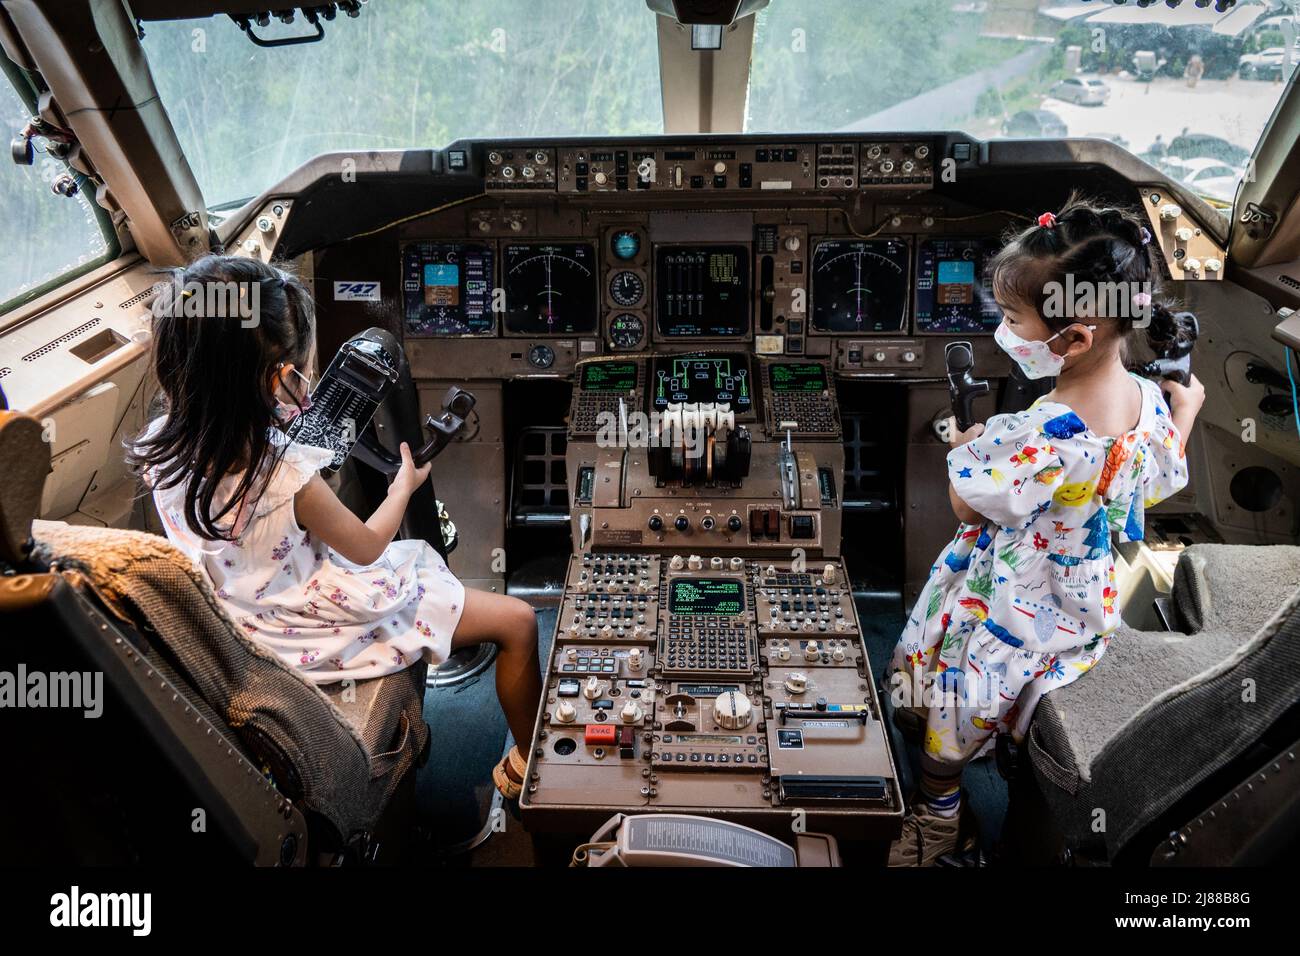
(684,333)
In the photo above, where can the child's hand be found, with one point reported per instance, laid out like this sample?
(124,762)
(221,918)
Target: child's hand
(960,438)
(1184,400)
(409,477)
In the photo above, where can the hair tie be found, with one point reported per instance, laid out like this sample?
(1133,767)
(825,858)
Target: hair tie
(1047,220)
(1141,299)
(1146,236)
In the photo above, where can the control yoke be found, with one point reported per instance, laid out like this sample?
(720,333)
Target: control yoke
(963,388)
(358,380)
(1174,354)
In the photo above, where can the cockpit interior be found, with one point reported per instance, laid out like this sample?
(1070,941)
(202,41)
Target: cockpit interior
(681,306)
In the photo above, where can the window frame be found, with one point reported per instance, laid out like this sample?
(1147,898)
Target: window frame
(26,90)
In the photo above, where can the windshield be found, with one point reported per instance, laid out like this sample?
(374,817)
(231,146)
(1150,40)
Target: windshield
(1170,85)
(405,73)
(1166,84)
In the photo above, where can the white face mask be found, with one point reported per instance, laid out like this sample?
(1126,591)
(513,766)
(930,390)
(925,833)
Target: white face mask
(286,412)
(1035,359)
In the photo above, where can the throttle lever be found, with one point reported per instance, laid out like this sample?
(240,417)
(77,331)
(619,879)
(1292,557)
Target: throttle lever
(963,388)
(457,405)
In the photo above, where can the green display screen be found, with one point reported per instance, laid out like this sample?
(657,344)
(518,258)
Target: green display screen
(798,377)
(609,376)
(721,596)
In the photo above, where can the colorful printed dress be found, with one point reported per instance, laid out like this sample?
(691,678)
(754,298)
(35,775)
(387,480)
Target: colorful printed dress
(320,613)
(1026,601)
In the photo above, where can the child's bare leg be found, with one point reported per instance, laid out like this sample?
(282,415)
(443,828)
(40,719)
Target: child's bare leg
(511,625)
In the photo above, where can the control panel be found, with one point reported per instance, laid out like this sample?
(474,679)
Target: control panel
(681,682)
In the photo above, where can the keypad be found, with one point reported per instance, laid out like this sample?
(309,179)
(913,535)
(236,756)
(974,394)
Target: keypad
(708,644)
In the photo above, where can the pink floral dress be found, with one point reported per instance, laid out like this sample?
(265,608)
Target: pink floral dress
(320,613)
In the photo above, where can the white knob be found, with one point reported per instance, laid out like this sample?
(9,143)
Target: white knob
(507,172)
(1213,265)
(837,655)
(731,710)
(1191,265)
(635,659)
(771,570)
(796,683)
(880,356)
(909,356)
(593,688)
(573,654)
(566,712)
(251,246)
(1183,234)
(695,562)
(494,158)
(887,166)
(715,564)
(265,224)
(631,713)
(676,562)
(737,563)
(1170,211)
(600,178)
(719,168)
(792,243)
(783,654)
(810,651)
(829,574)
(528,172)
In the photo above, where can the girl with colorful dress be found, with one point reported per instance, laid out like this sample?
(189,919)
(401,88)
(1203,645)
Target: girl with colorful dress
(333,595)
(1023,600)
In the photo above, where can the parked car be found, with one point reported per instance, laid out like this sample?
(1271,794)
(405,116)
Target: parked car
(1206,176)
(1194,145)
(1083,91)
(1033,123)
(1266,64)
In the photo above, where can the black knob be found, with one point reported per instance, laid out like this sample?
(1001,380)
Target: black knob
(707,522)
(821,703)
(734,524)
(656,523)
(682,523)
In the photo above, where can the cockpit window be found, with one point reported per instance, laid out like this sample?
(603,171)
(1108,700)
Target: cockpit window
(1170,85)
(402,75)
(62,235)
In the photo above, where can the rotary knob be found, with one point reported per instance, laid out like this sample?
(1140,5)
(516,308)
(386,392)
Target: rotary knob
(566,712)
(737,564)
(715,564)
(796,683)
(635,659)
(676,562)
(811,651)
(593,688)
(1170,211)
(631,713)
(695,562)
(829,574)
(732,711)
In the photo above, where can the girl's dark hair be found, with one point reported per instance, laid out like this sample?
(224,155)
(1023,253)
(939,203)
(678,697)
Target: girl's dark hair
(221,327)
(1104,246)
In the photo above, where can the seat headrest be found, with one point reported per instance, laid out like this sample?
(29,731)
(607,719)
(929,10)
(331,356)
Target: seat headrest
(26,457)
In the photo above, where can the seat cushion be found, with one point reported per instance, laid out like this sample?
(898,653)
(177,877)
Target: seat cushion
(1160,714)
(1232,586)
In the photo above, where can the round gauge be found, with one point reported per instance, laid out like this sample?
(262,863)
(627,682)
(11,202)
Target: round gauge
(541,356)
(550,289)
(625,244)
(860,286)
(626,288)
(626,331)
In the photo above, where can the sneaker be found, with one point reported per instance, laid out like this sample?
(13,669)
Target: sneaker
(927,836)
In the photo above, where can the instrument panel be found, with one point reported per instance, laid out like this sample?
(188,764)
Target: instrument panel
(860,286)
(550,288)
(716,379)
(954,292)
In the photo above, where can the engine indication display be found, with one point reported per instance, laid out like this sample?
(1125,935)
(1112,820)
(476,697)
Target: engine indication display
(551,289)
(703,378)
(721,597)
(860,286)
(953,294)
(702,291)
(447,289)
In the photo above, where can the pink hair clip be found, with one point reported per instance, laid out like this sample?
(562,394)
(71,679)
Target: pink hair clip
(1141,299)
(1047,220)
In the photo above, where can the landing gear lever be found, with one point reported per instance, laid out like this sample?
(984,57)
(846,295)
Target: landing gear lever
(963,388)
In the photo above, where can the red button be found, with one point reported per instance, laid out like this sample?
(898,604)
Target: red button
(601,735)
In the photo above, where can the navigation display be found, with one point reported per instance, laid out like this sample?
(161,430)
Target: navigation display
(702,291)
(713,596)
(860,286)
(551,289)
(703,378)
(797,377)
(447,289)
(953,294)
(608,377)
